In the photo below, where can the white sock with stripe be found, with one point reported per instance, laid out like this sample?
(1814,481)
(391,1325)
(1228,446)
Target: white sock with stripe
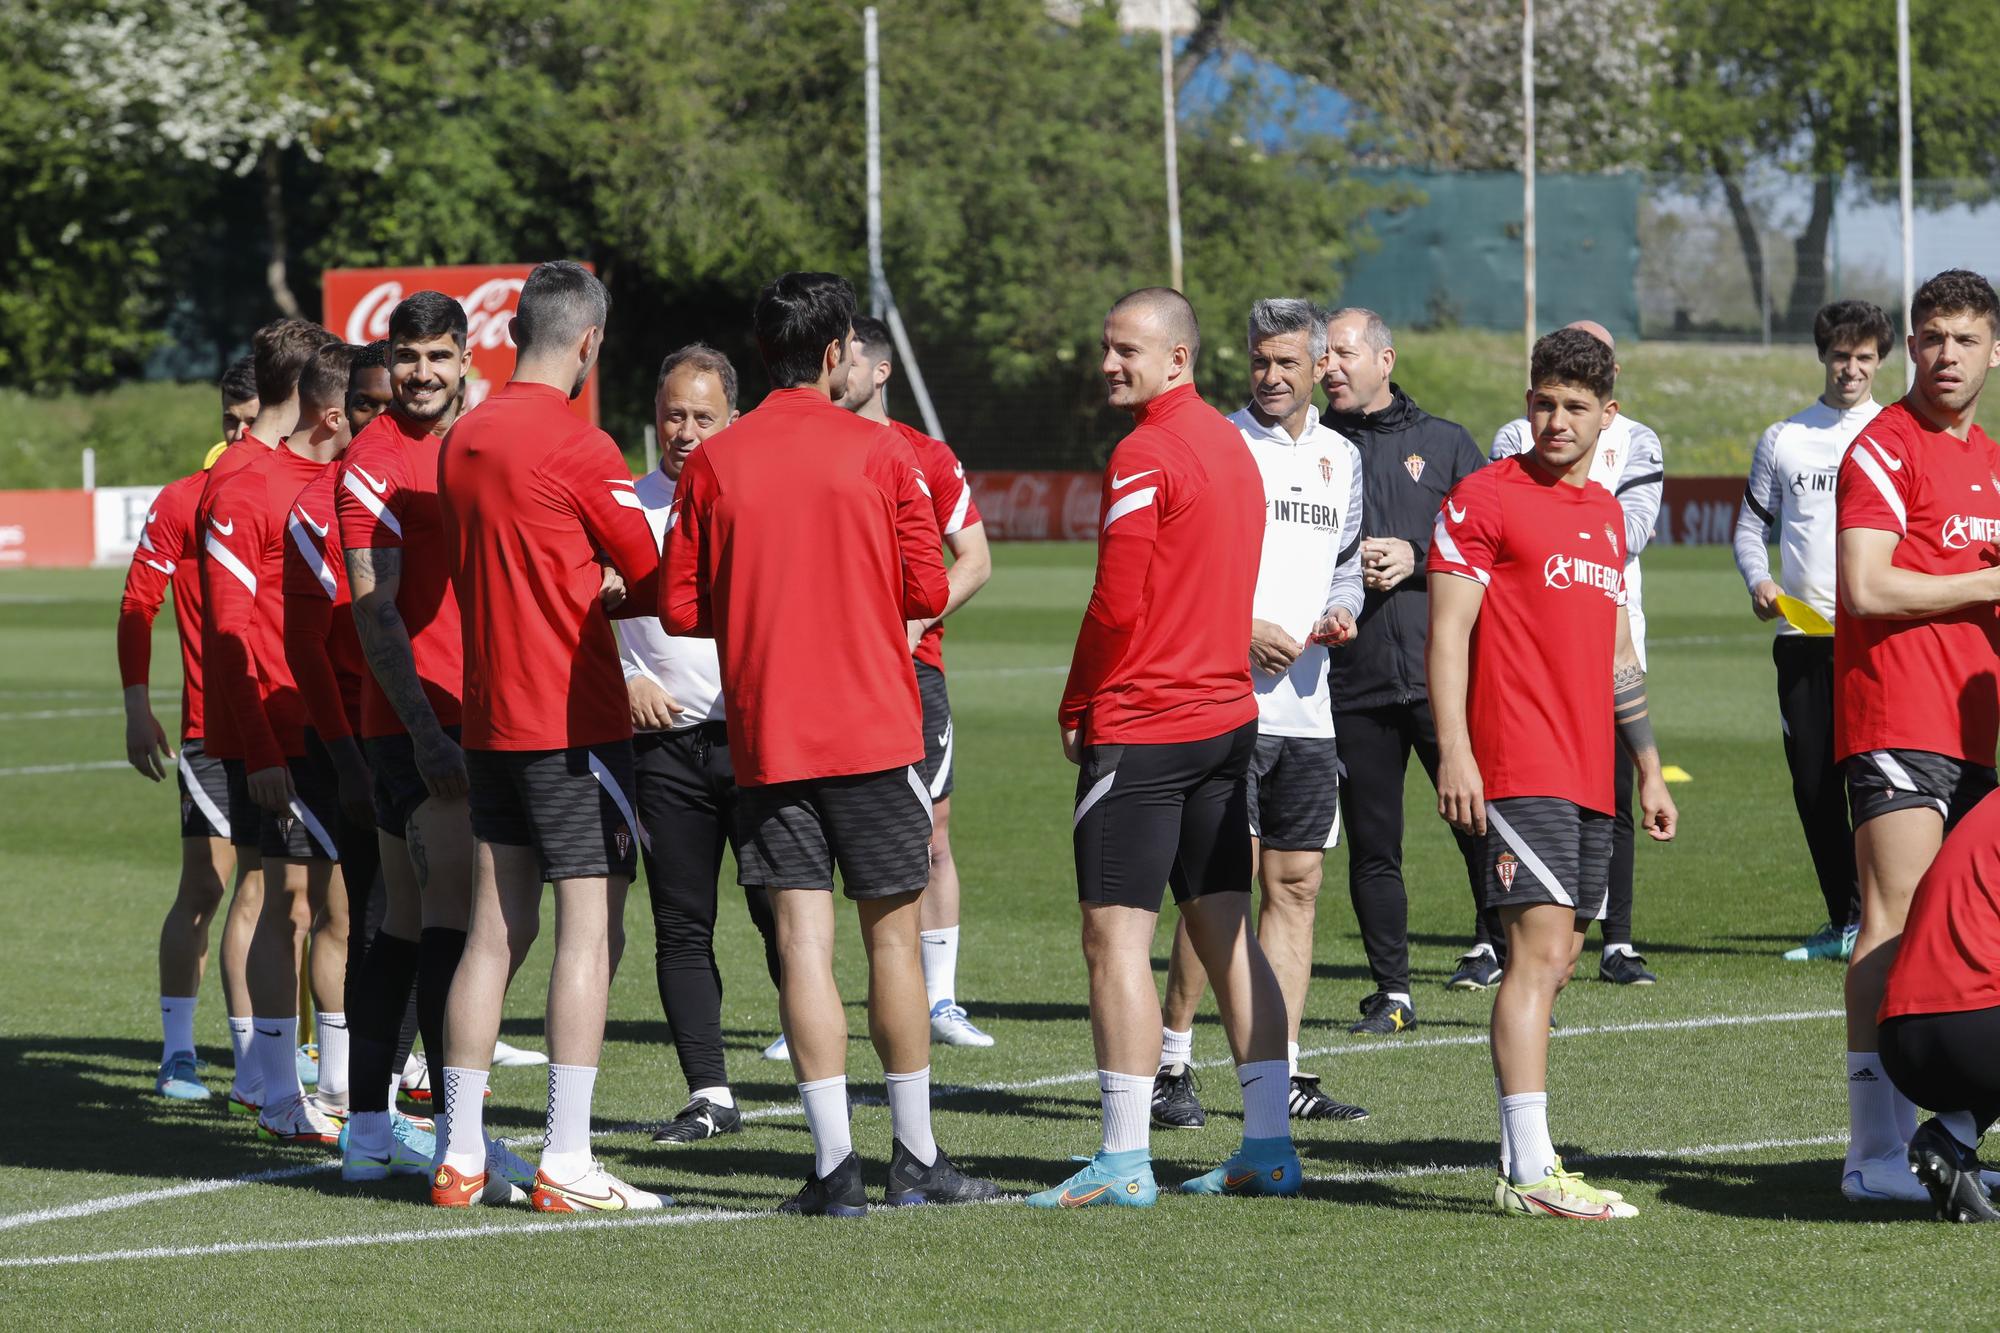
(566,1144)
(463,1125)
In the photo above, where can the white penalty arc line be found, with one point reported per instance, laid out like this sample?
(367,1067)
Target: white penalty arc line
(118,1202)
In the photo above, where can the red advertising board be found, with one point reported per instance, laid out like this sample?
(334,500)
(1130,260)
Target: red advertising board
(46,529)
(357,301)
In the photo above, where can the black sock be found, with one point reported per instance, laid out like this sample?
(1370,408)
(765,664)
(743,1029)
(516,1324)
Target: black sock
(374,1011)
(437,961)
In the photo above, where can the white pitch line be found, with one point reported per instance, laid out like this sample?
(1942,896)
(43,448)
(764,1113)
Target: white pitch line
(135,1199)
(37,770)
(425,1234)
(56,714)
(1636,1154)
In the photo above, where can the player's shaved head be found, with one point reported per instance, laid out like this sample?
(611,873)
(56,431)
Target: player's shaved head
(1595,330)
(1169,309)
(560,301)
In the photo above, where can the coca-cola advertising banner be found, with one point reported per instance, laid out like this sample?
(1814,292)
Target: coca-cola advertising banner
(1062,506)
(357,302)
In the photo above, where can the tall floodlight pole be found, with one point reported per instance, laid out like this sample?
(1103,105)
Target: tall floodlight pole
(1528,171)
(872,82)
(1905,168)
(1173,153)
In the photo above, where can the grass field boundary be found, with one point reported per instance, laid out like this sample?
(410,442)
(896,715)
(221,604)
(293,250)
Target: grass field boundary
(186,1189)
(94,766)
(667,1219)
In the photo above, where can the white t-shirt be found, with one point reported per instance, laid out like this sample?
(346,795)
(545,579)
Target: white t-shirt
(1792,475)
(1311,561)
(1630,463)
(685,668)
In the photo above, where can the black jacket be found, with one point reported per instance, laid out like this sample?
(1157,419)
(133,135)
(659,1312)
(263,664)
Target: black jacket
(1409,460)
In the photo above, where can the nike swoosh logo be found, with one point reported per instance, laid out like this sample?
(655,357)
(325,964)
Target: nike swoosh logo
(944,738)
(608,1202)
(1457,514)
(1119,483)
(379,487)
(269,1032)
(465,1188)
(152,516)
(1238,1182)
(224,528)
(1889,461)
(319,528)
(1069,1200)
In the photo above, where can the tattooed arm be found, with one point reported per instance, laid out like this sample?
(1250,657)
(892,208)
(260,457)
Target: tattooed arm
(1635,734)
(373,576)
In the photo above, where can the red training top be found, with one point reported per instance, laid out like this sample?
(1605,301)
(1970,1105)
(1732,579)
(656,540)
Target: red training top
(1949,960)
(321,646)
(1164,651)
(220,737)
(387,500)
(951,500)
(1551,557)
(802,540)
(243,584)
(530,494)
(1930,683)
(167,554)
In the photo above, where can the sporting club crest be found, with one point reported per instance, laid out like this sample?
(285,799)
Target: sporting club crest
(624,839)
(1326,472)
(1611,535)
(1507,865)
(1414,465)
(1610,457)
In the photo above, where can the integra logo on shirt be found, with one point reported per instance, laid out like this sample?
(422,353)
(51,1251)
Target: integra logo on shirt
(1818,481)
(1961,530)
(1573,571)
(1320,516)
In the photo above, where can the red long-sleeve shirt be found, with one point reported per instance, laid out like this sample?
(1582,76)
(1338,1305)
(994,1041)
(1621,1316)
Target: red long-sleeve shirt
(529,496)
(387,500)
(1164,651)
(951,501)
(321,645)
(243,586)
(220,737)
(802,539)
(166,556)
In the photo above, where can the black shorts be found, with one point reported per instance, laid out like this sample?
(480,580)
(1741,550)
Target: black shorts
(399,784)
(1295,793)
(1881,781)
(1153,816)
(875,827)
(936,768)
(308,830)
(1540,849)
(204,784)
(245,817)
(573,806)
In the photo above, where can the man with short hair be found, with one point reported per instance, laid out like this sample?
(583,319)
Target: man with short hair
(292,784)
(168,555)
(1632,466)
(1308,594)
(824,718)
(686,784)
(279,351)
(1530,647)
(368,385)
(1917,713)
(531,498)
(1791,492)
(406,616)
(1160,716)
(1409,460)
(964,533)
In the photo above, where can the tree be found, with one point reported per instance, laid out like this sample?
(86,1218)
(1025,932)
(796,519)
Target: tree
(1812,88)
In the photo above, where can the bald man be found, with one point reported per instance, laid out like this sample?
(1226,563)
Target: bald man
(1631,465)
(1160,716)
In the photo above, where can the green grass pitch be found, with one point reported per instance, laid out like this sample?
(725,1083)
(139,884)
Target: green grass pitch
(1713,1100)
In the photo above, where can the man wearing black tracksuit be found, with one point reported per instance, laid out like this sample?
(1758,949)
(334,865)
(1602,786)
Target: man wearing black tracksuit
(1382,712)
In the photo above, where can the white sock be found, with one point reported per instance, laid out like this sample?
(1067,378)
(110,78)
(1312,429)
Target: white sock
(1127,1100)
(1871,1111)
(566,1143)
(716,1096)
(940,955)
(1477,949)
(1905,1111)
(1506,1158)
(176,1025)
(1524,1137)
(275,1051)
(333,1056)
(1267,1092)
(1961,1126)
(826,1116)
(910,1112)
(1611,949)
(1291,1057)
(247,1082)
(369,1134)
(463,1125)
(1400,997)
(1176,1048)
